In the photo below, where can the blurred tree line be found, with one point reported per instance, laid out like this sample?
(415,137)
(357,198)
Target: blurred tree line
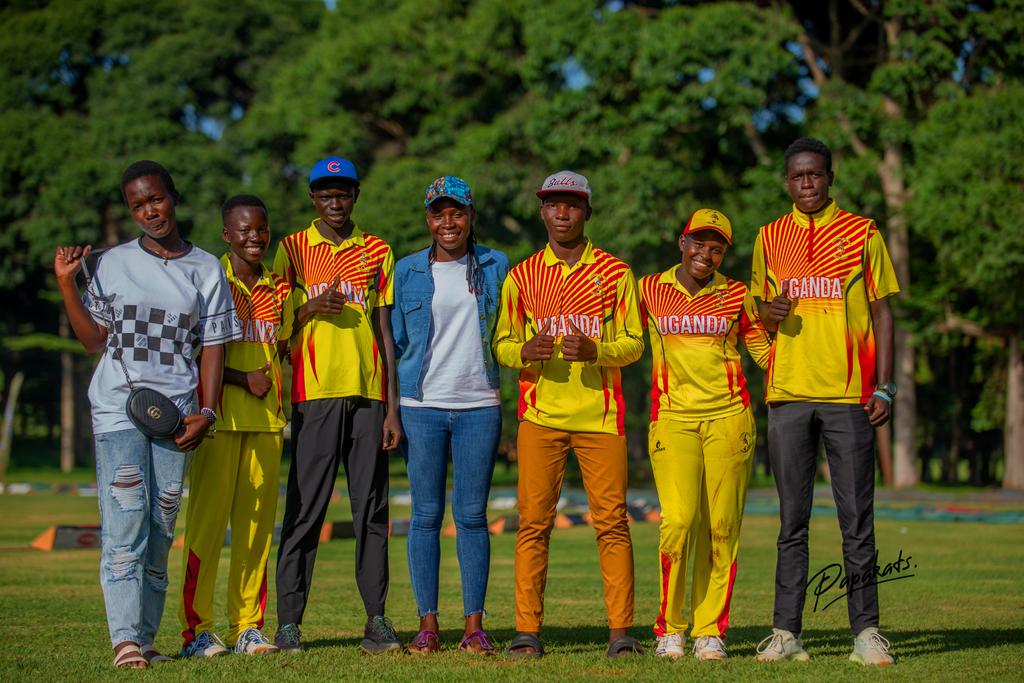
(666,106)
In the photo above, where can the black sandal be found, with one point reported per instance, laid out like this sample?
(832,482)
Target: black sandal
(625,646)
(523,641)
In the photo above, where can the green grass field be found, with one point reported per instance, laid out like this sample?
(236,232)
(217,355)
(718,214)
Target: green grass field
(960,617)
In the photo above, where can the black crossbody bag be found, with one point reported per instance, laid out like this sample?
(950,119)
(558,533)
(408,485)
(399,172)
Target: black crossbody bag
(152,413)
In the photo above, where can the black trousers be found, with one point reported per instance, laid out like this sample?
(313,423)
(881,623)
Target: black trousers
(793,432)
(326,433)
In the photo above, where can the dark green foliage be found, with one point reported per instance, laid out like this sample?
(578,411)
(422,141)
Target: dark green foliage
(666,106)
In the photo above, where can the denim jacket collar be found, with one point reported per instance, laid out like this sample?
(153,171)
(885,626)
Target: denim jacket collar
(421,259)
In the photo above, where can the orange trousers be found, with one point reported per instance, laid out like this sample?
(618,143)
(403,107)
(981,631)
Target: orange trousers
(542,457)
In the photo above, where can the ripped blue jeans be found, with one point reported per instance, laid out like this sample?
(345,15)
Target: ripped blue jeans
(138,483)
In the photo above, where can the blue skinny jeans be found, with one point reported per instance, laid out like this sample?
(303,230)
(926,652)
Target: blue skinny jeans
(470,436)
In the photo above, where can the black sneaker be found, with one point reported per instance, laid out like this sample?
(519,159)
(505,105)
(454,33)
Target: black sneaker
(379,636)
(288,638)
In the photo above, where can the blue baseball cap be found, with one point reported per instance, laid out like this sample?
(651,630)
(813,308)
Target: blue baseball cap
(334,167)
(451,187)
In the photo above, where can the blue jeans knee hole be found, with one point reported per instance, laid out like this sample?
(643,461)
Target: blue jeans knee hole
(128,488)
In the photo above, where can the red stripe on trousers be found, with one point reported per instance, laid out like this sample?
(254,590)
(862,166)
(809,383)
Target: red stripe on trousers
(263,596)
(189,595)
(666,571)
(723,618)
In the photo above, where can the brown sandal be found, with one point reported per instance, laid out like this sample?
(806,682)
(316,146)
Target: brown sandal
(153,656)
(130,657)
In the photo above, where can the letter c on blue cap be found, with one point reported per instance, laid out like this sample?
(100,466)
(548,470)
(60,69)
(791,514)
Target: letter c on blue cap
(333,166)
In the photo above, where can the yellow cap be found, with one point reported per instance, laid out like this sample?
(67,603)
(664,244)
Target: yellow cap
(709,219)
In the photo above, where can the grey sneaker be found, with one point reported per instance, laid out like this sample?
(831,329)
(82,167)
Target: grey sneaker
(379,636)
(672,646)
(709,648)
(253,642)
(781,645)
(870,648)
(205,644)
(288,638)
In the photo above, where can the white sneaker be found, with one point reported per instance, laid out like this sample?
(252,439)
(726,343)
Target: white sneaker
(253,642)
(781,645)
(870,648)
(672,646)
(709,648)
(205,644)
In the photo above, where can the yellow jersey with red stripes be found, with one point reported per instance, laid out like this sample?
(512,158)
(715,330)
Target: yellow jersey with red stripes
(261,312)
(834,264)
(336,355)
(697,373)
(545,295)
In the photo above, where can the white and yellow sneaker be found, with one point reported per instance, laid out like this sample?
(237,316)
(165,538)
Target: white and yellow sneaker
(870,648)
(781,645)
(672,646)
(709,648)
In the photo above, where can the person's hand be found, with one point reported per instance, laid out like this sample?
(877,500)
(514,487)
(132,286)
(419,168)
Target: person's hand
(330,301)
(195,430)
(578,346)
(257,382)
(540,347)
(878,410)
(67,261)
(392,431)
(780,306)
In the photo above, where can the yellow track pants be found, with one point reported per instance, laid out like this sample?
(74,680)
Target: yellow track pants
(701,470)
(234,477)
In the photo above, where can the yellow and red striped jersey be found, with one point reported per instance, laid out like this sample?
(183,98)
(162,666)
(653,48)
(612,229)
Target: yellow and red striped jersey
(835,264)
(261,312)
(598,295)
(697,373)
(335,356)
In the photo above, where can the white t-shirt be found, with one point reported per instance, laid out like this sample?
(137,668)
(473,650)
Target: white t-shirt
(158,313)
(454,375)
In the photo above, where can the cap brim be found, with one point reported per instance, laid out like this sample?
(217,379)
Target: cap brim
(713,228)
(340,178)
(544,193)
(460,200)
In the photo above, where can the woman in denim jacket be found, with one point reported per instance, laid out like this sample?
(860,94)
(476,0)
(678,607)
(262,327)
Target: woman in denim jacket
(446,305)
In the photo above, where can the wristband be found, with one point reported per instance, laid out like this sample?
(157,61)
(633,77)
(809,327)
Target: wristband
(209,413)
(882,394)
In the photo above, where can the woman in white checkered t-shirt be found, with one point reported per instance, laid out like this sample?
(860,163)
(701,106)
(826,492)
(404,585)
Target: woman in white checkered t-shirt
(159,311)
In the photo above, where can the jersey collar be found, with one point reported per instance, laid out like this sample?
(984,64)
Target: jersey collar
(668,277)
(821,218)
(315,238)
(586,257)
(229,272)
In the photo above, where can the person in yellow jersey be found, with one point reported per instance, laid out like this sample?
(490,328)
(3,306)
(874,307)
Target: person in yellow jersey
(822,276)
(344,399)
(702,433)
(234,476)
(569,320)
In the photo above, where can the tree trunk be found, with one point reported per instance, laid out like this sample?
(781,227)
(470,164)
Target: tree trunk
(904,427)
(67,400)
(951,460)
(1013,429)
(83,421)
(7,424)
(883,439)
(111,225)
